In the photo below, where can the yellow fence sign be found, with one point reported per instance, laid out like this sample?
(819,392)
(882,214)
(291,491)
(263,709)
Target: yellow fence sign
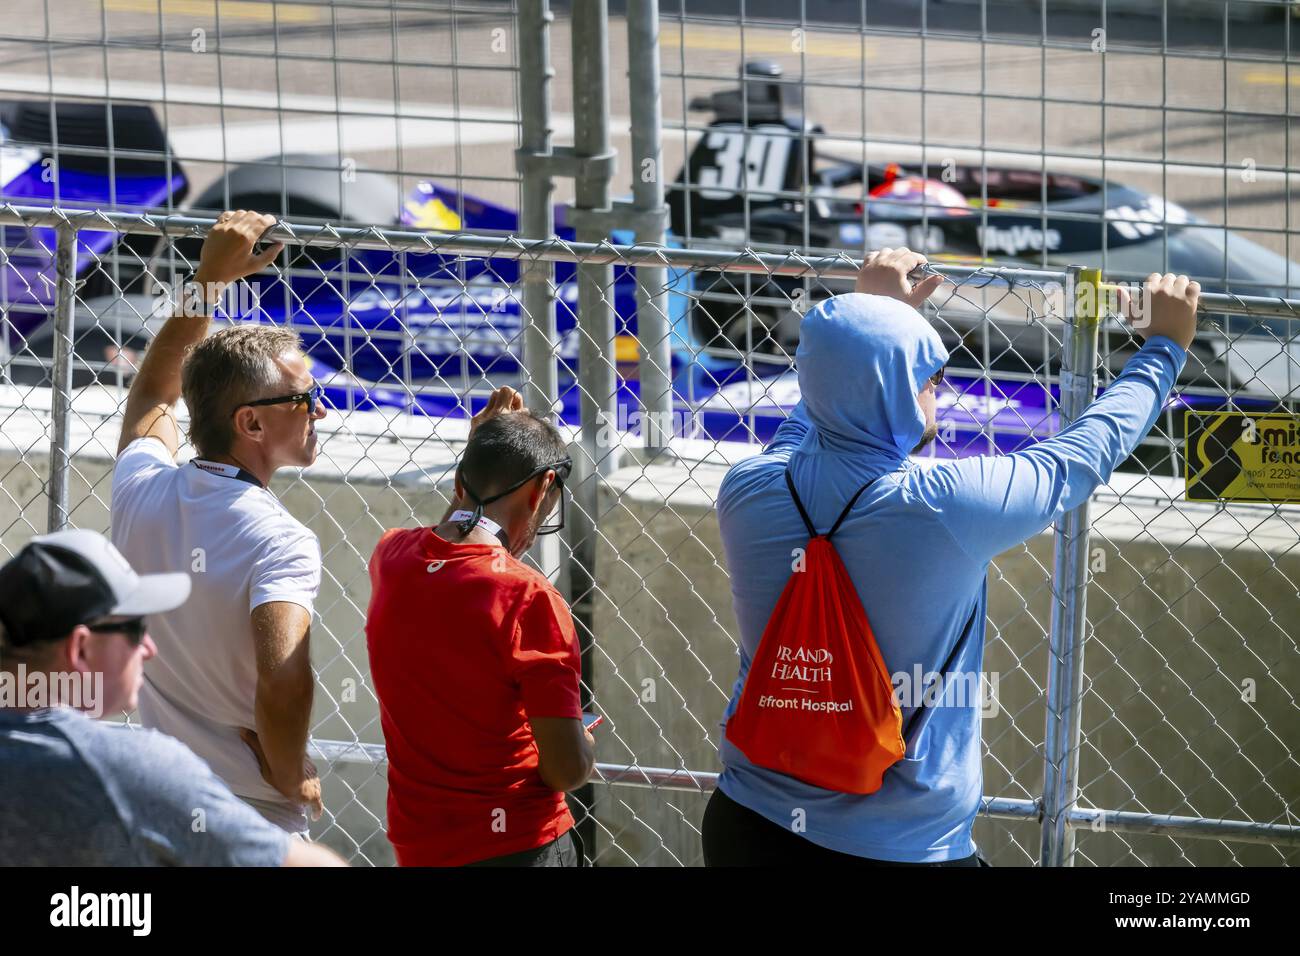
(1236,456)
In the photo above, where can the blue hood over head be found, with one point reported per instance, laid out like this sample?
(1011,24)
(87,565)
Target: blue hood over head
(862,360)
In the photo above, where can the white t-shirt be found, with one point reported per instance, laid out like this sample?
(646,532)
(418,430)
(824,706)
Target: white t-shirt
(241,549)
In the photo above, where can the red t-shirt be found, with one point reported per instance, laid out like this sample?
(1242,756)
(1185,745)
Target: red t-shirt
(466,643)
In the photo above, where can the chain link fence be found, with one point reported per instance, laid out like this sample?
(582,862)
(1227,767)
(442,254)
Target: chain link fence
(1173,739)
(1140,657)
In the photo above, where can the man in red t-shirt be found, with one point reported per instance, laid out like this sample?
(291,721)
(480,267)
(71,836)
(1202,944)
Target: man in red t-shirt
(475,662)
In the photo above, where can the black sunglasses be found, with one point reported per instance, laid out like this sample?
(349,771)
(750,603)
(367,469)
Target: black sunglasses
(562,471)
(312,397)
(134,629)
(937,378)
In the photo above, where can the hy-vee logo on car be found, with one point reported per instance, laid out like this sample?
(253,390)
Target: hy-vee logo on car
(1013,240)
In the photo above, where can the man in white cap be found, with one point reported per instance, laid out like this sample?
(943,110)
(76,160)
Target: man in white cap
(77,792)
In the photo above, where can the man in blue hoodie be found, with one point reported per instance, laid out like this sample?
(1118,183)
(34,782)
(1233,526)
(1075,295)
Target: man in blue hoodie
(917,546)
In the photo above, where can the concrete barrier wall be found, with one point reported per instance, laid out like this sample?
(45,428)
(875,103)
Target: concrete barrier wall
(1188,602)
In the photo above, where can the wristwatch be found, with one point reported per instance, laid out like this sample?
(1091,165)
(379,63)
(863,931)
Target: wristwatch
(193,302)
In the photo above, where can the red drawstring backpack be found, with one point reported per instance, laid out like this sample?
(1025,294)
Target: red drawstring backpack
(818,703)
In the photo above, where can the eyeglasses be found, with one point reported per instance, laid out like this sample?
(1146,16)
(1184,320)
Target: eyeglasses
(937,378)
(562,471)
(134,629)
(562,468)
(312,398)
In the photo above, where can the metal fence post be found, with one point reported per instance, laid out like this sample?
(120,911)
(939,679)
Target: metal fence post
(65,295)
(540,377)
(536,217)
(653,328)
(1069,584)
(598,395)
(594,161)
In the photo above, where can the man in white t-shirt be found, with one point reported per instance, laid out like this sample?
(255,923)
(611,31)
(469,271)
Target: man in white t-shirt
(233,679)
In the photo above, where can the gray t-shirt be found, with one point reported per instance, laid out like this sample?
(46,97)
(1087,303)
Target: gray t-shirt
(79,792)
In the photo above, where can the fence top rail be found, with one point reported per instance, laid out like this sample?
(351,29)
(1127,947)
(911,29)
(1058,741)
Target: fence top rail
(495,247)
(560,250)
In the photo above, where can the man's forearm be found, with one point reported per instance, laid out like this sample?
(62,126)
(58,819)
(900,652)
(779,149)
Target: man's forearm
(228,254)
(1129,407)
(159,378)
(282,711)
(157,386)
(990,503)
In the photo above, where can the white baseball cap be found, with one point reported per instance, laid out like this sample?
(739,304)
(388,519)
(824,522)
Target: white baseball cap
(67,578)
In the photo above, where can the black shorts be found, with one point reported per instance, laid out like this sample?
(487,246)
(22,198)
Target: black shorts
(564,850)
(735,835)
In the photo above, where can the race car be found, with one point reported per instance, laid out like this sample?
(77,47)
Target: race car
(759,176)
(432,334)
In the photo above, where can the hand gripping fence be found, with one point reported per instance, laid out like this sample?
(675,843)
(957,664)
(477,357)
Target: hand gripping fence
(1171,740)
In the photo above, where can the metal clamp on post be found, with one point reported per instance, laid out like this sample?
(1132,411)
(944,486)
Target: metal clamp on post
(564,161)
(621,215)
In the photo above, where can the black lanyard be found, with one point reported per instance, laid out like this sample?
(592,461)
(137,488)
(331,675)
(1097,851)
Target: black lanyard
(226,471)
(487,524)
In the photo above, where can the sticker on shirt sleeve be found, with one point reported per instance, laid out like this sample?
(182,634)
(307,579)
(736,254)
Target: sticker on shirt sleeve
(1235,456)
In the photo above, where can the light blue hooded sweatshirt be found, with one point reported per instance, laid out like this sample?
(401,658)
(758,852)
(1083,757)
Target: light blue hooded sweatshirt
(917,546)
